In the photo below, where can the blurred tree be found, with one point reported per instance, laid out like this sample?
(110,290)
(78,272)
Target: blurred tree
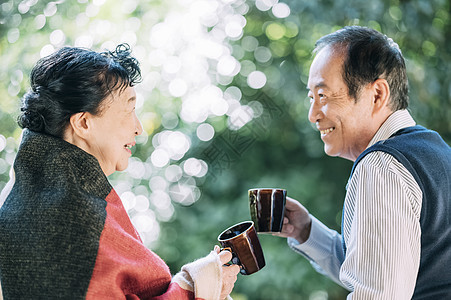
(224,91)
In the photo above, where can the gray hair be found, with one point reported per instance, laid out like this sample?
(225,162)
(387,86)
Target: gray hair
(370,55)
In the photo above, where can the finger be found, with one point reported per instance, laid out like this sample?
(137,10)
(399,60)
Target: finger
(217,249)
(287,231)
(229,279)
(227,288)
(230,274)
(225,256)
(287,228)
(291,204)
(231,271)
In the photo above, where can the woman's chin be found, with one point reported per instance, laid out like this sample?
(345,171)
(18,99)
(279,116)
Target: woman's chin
(122,167)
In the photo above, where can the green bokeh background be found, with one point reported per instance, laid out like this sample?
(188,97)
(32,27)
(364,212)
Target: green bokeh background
(279,148)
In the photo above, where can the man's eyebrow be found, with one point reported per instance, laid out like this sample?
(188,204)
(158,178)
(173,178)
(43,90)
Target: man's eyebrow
(132,99)
(318,85)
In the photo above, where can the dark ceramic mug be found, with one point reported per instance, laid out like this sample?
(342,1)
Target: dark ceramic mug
(267,208)
(241,239)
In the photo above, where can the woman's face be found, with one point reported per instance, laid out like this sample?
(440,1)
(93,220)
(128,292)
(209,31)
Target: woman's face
(113,131)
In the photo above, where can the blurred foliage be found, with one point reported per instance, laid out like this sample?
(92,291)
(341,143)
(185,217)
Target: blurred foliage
(268,143)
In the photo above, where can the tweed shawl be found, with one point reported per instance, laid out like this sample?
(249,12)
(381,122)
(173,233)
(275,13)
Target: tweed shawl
(65,234)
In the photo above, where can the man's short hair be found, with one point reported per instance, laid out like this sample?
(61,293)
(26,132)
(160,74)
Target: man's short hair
(370,55)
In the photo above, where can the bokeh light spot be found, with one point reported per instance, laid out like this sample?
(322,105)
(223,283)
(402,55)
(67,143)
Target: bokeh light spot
(47,50)
(13,35)
(144,222)
(23,7)
(234,30)
(169,120)
(275,31)
(160,199)
(195,167)
(265,5)
(262,54)
(192,167)
(158,183)
(173,173)
(205,132)
(256,79)
(228,66)
(128,200)
(249,43)
(247,67)
(233,92)
(57,37)
(428,48)
(177,87)
(85,41)
(159,158)
(281,10)
(2,142)
(50,9)
(141,203)
(240,117)
(39,21)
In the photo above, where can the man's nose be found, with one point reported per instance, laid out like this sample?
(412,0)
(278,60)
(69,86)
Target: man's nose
(314,113)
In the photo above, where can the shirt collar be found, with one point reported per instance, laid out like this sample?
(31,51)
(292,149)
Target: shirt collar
(398,120)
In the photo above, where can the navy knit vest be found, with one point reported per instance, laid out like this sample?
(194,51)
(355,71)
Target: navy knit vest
(428,158)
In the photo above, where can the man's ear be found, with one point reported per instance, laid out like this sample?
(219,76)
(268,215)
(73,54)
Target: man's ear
(381,92)
(79,124)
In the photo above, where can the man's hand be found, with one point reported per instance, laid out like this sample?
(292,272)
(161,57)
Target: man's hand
(297,222)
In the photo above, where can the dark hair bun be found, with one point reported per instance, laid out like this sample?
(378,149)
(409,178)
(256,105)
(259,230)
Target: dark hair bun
(31,116)
(73,80)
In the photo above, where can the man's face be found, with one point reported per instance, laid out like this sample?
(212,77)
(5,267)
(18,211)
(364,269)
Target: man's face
(345,124)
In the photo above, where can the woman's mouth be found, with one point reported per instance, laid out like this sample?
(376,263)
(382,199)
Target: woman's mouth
(128,147)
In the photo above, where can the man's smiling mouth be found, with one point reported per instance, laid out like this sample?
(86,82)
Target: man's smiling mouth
(326,131)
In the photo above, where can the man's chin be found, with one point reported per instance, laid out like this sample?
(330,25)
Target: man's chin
(330,151)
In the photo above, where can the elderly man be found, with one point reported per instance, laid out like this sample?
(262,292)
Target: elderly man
(396,233)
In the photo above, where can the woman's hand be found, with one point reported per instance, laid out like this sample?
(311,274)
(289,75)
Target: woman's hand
(229,273)
(297,222)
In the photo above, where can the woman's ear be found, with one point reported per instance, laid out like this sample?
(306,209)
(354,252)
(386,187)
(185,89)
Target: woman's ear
(381,98)
(79,125)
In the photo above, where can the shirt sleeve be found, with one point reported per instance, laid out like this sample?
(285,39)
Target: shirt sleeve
(382,230)
(324,249)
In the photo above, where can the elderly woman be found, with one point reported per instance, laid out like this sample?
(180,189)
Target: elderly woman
(63,230)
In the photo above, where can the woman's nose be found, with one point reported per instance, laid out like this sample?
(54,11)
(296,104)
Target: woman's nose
(139,127)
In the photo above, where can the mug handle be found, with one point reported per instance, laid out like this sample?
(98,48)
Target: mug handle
(234,260)
(230,250)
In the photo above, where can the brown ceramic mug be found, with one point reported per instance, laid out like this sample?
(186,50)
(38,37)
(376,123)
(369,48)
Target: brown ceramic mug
(242,240)
(267,208)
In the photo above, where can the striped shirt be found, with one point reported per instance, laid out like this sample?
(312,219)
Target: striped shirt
(381,227)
